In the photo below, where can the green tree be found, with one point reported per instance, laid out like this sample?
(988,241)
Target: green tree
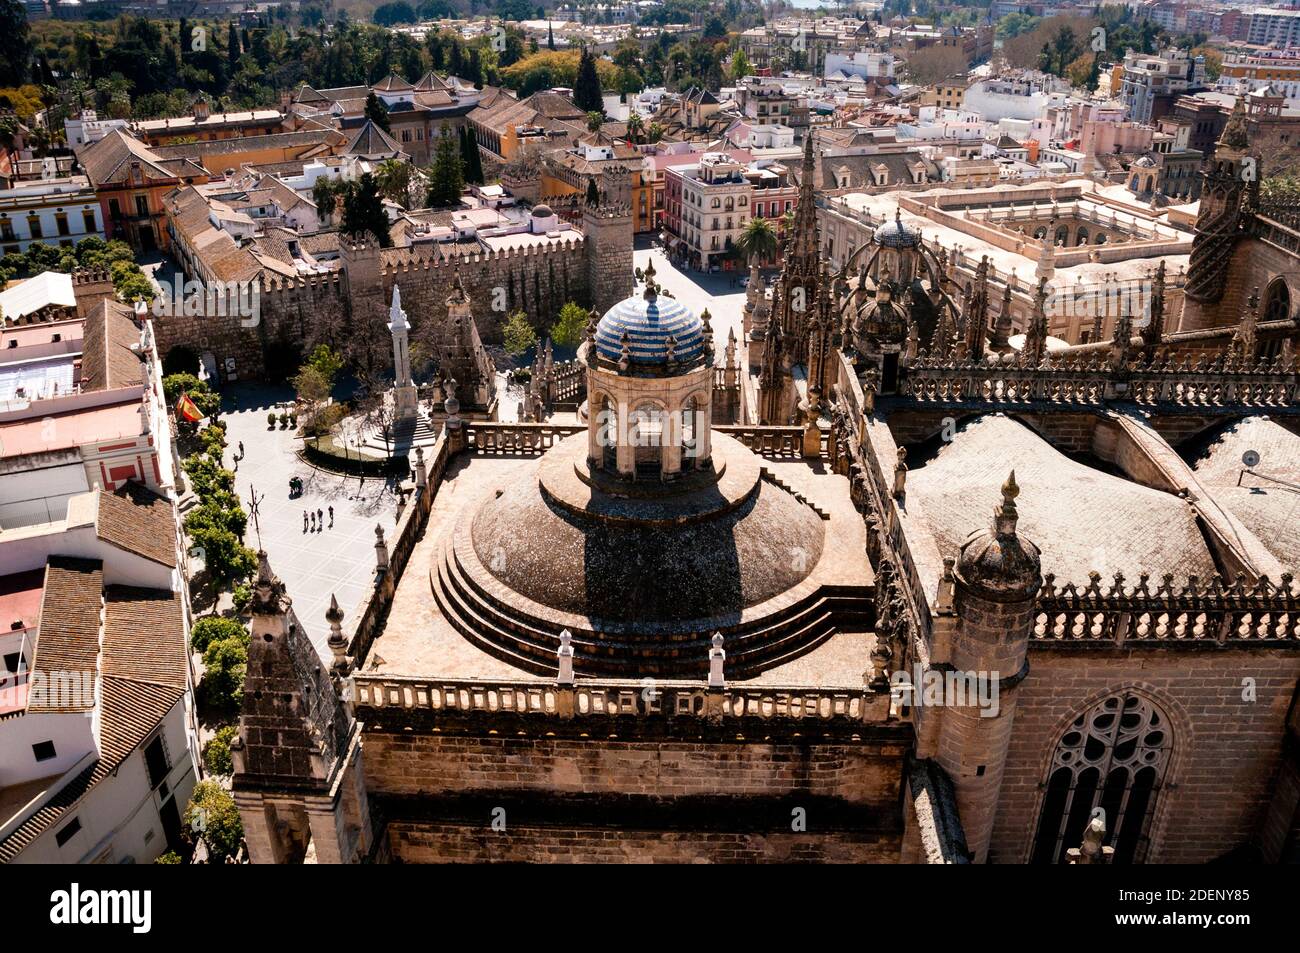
(130,283)
(393,177)
(595,120)
(471,160)
(740,67)
(635,127)
(447,176)
(586,87)
(518,335)
(214,819)
(214,628)
(363,211)
(593,192)
(216,751)
(377,112)
(569,330)
(15,43)
(224,666)
(324,193)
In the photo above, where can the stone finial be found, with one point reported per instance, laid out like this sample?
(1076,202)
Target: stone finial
(564,656)
(1005,515)
(625,352)
(338,643)
(717,661)
(381,548)
(900,474)
(670,349)
(651,286)
(421,470)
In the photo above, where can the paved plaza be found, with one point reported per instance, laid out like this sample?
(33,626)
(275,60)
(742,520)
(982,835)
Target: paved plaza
(338,559)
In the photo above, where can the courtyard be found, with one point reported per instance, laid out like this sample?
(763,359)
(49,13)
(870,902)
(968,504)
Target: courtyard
(338,556)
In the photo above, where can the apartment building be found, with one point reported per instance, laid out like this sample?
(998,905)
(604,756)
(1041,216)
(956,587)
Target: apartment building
(57,211)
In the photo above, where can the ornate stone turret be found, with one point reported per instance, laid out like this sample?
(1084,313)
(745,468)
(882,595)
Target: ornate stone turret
(1153,331)
(977,315)
(1245,340)
(801,269)
(1000,343)
(1229,195)
(297,769)
(997,576)
(1035,347)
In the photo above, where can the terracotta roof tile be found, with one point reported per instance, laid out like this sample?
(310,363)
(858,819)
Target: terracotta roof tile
(138,520)
(68,638)
(107,361)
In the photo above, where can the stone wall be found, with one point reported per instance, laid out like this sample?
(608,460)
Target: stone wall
(653,799)
(592,267)
(438,841)
(1226,751)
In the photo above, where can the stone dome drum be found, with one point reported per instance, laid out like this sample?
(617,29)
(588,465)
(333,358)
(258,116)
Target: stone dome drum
(897,235)
(649,322)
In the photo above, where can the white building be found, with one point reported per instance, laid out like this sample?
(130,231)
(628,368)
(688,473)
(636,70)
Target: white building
(57,211)
(88,128)
(98,739)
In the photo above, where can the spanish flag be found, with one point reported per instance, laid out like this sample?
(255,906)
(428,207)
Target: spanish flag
(187,411)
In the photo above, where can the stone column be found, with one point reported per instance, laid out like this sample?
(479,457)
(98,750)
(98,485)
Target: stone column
(997,577)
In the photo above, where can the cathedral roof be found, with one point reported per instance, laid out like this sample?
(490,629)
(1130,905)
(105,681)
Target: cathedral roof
(1083,518)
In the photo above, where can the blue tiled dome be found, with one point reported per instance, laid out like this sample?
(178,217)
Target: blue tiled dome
(897,235)
(648,324)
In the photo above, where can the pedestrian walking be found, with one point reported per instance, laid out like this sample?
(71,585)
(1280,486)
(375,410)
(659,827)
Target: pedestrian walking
(313,522)
(241,449)
(331,517)
(320,515)
(304,521)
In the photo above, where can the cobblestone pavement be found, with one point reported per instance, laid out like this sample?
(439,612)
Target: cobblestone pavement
(337,559)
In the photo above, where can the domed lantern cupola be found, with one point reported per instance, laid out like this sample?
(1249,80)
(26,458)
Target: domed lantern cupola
(649,387)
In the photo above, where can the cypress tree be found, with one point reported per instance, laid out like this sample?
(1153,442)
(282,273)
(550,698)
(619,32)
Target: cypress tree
(586,88)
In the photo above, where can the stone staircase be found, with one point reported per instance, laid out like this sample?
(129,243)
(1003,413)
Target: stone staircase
(508,633)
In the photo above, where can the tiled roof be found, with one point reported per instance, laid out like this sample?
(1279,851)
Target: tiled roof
(144,636)
(68,639)
(107,360)
(306,141)
(138,520)
(370,140)
(189,210)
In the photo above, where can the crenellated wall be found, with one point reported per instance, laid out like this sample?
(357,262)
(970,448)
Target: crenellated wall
(592,267)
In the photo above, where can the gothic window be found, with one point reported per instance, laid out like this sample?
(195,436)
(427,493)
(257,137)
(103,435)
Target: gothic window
(1062,235)
(1277,302)
(1114,757)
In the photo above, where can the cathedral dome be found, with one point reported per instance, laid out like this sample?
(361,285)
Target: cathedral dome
(649,321)
(897,235)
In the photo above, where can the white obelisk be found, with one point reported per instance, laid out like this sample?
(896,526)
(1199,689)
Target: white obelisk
(404,393)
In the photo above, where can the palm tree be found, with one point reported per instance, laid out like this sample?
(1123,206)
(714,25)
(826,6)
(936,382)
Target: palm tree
(655,133)
(757,240)
(595,119)
(635,127)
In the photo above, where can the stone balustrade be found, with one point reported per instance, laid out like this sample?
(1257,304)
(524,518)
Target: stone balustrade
(768,441)
(1216,613)
(618,698)
(492,437)
(1089,380)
